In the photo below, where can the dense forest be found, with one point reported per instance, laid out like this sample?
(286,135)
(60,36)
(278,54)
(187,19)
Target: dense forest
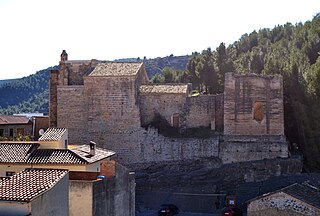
(291,50)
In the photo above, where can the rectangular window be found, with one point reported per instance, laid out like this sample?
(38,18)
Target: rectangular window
(11,132)
(10,173)
(175,120)
(1,132)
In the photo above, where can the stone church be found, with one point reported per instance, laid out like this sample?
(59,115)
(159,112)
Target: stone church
(114,103)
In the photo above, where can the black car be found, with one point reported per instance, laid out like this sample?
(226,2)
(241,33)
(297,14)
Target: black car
(231,210)
(168,210)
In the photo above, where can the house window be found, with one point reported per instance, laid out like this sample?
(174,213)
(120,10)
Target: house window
(10,173)
(11,132)
(258,111)
(175,120)
(20,131)
(1,132)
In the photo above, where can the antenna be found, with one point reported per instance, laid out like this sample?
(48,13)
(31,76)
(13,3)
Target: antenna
(41,132)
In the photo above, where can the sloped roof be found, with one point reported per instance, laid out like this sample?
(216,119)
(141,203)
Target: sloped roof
(28,184)
(108,69)
(55,156)
(53,134)
(304,192)
(30,154)
(173,88)
(4,120)
(84,152)
(16,152)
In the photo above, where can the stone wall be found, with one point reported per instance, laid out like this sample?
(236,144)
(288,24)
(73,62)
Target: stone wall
(211,170)
(193,112)
(200,111)
(156,148)
(219,112)
(253,105)
(111,111)
(280,204)
(247,148)
(72,112)
(144,146)
(72,72)
(164,104)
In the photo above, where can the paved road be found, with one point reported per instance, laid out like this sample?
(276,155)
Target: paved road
(154,213)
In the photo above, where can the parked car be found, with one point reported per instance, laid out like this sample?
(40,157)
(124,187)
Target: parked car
(168,210)
(231,211)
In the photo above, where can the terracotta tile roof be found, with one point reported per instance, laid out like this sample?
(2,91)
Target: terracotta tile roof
(84,152)
(55,156)
(30,154)
(116,69)
(4,120)
(16,152)
(164,89)
(28,184)
(53,134)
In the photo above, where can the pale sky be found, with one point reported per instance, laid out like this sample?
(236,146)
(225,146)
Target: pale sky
(34,32)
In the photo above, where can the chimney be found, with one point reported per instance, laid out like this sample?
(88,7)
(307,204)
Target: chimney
(92,148)
(64,56)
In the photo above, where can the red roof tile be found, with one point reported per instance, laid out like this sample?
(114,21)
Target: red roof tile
(84,152)
(29,184)
(5,120)
(16,152)
(30,154)
(55,156)
(53,134)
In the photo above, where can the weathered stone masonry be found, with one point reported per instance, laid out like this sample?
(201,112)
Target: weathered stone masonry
(253,105)
(109,103)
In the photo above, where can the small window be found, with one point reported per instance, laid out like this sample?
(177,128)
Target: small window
(1,132)
(10,173)
(11,132)
(65,144)
(175,120)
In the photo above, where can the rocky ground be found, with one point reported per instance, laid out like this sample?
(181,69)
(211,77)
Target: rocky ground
(203,186)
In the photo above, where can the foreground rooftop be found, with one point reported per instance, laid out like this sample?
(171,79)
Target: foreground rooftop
(29,184)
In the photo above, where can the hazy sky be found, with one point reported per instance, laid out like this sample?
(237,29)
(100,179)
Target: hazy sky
(34,32)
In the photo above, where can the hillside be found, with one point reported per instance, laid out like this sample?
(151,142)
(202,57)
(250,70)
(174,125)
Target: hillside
(6,81)
(28,94)
(154,66)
